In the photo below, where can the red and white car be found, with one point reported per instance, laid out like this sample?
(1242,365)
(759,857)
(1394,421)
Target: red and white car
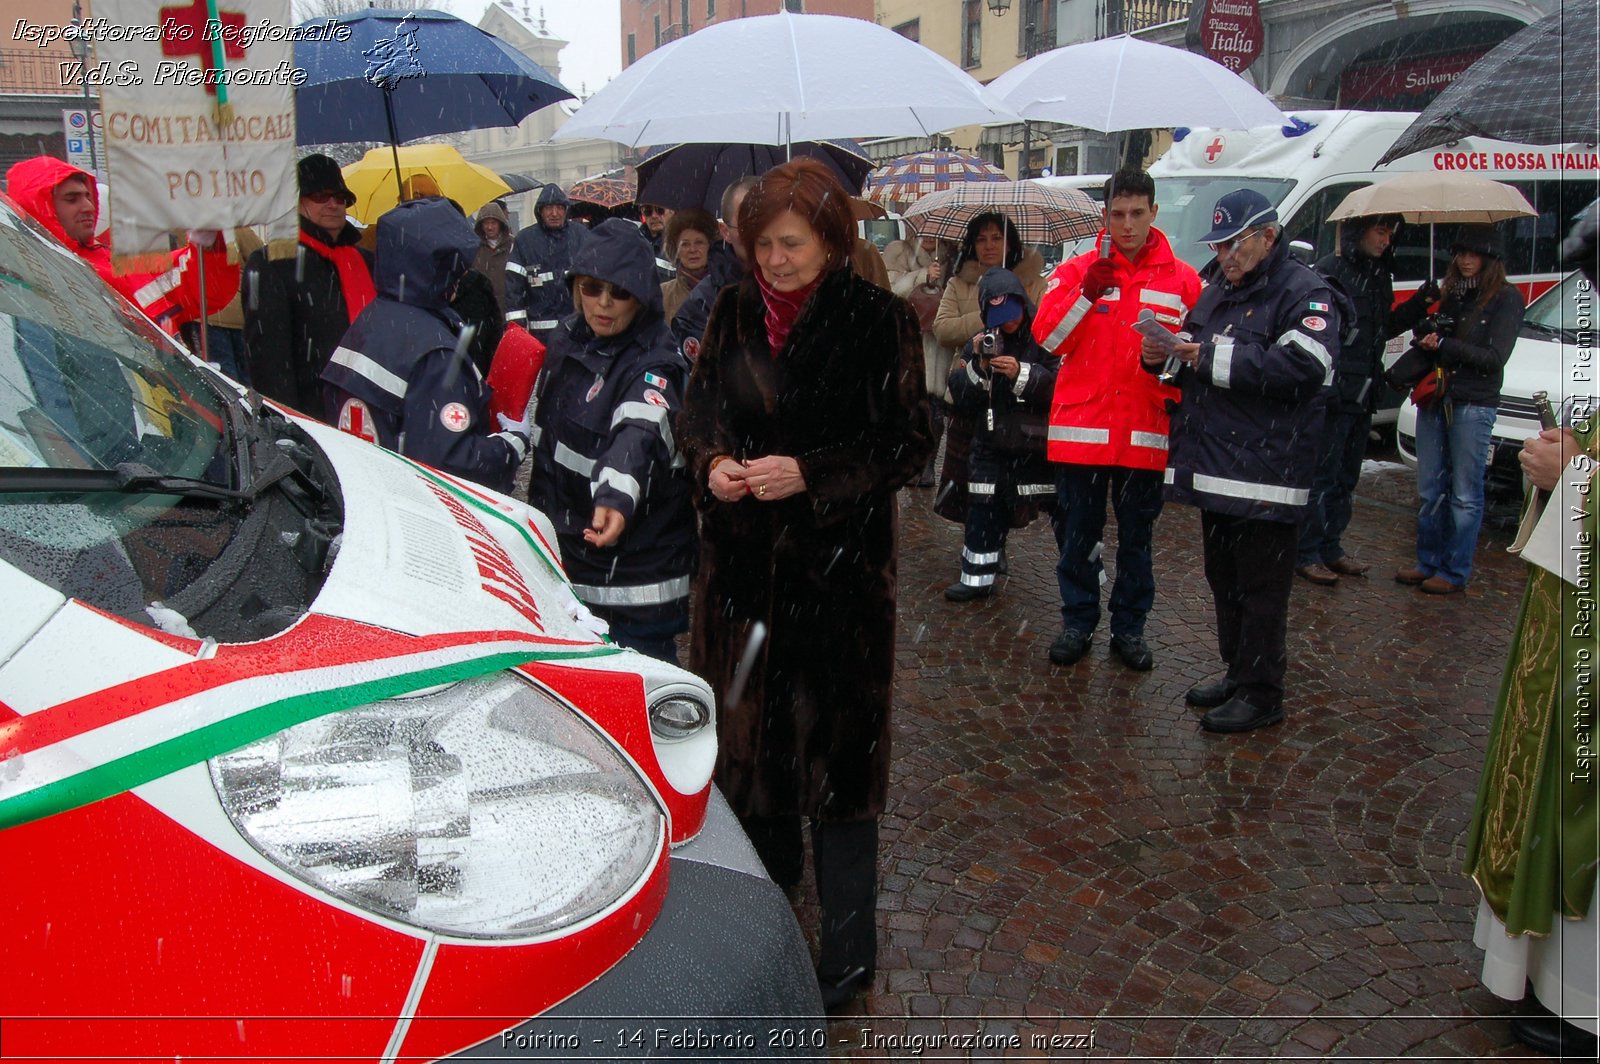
(307,751)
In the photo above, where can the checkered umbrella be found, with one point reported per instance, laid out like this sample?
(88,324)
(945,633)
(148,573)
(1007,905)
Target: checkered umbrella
(1042,215)
(607,192)
(899,184)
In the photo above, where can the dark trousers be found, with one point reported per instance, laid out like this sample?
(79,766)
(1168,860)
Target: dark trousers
(996,484)
(1250,567)
(845,858)
(1344,448)
(652,638)
(1080,522)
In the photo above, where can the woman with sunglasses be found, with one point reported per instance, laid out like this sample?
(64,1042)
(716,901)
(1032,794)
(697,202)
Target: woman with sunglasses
(805,414)
(603,446)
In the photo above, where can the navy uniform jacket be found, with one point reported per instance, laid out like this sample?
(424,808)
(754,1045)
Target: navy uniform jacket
(536,283)
(400,376)
(1244,438)
(602,432)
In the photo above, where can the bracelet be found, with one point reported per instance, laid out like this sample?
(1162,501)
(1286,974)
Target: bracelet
(718,460)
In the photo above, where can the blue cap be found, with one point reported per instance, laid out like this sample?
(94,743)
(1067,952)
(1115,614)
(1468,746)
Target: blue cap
(1239,210)
(1000,310)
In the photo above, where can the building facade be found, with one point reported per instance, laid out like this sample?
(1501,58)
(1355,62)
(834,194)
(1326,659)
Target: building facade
(648,24)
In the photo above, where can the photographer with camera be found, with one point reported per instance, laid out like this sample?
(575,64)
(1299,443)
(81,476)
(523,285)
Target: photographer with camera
(1454,368)
(1003,382)
(1363,269)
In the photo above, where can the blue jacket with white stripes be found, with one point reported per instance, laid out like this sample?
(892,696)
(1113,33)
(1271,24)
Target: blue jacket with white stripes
(602,436)
(536,288)
(1244,436)
(401,376)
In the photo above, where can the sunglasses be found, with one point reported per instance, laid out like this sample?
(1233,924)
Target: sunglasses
(1222,246)
(327,195)
(596,289)
(652,210)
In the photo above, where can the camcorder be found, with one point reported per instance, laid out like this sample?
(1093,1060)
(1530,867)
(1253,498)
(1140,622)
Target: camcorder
(988,344)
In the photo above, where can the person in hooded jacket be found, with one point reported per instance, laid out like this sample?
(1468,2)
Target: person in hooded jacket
(65,200)
(401,376)
(1363,269)
(606,468)
(991,240)
(493,227)
(1003,383)
(301,295)
(536,293)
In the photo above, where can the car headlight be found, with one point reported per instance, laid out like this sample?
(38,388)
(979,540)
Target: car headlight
(485,809)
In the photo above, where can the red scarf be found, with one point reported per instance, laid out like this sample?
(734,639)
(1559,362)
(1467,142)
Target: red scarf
(782,309)
(355,280)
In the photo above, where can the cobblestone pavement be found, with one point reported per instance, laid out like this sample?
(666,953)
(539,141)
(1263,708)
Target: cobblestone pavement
(1067,854)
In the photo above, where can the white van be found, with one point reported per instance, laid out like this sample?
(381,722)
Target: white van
(1307,168)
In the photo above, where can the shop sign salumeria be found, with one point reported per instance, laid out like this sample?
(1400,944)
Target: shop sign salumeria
(1228,31)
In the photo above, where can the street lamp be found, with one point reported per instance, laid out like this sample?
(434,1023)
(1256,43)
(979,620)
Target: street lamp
(999,7)
(80,51)
(1025,162)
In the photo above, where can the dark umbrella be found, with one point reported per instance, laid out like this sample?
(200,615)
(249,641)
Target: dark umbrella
(695,175)
(521,182)
(401,75)
(1535,87)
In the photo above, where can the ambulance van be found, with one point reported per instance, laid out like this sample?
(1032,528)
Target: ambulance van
(1309,166)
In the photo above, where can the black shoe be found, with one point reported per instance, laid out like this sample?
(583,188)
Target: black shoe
(959,592)
(1069,646)
(1547,1033)
(839,992)
(1133,652)
(1237,715)
(1003,566)
(1209,695)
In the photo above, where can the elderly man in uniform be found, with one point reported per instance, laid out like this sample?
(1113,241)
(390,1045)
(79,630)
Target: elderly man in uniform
(1254,373)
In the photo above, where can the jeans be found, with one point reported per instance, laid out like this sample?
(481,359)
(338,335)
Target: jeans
(1451,460)
(1333,486)
(1080,521)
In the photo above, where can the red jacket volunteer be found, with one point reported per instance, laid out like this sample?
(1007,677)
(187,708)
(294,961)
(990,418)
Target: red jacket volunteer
(1107,411)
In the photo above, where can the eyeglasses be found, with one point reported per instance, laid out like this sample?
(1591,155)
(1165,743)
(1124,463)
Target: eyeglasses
(596,289)
(1222,246)
(327,195)
(652,210)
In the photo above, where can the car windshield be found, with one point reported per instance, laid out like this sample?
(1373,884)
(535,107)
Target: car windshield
(1186,202)
(1560,309)
(128,472)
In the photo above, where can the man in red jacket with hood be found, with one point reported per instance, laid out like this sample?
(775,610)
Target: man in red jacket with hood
(65,200)
(1109,418)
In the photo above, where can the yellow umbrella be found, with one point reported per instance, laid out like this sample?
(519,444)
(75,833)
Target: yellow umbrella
(371,178)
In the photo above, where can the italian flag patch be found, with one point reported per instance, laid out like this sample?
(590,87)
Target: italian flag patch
(1321,306)
(654,381)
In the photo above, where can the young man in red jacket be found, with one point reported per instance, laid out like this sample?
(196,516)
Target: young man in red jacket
(64,199)
(1109,418)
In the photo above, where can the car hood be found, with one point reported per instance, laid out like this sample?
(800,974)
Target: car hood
(435,580)
(1549,366)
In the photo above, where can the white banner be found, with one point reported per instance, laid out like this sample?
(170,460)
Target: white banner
(198,110)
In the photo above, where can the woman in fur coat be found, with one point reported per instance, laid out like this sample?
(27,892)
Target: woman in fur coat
(806,411)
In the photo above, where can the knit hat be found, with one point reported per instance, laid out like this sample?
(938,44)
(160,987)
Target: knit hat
(1479,237)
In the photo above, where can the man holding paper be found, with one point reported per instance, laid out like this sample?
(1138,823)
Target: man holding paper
(1244,443)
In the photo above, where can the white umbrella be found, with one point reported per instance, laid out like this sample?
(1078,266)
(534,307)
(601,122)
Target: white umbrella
(1121,83)
(777,79)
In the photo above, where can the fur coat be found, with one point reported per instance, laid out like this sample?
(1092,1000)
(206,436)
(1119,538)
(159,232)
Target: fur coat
(808,732)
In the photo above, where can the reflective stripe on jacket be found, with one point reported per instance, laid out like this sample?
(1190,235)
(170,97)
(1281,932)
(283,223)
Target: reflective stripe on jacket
(1107,410)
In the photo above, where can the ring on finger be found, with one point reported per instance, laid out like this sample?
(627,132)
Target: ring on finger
(762,490)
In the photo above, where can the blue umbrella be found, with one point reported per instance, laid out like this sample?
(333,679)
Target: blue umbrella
(401,75)
(694,175)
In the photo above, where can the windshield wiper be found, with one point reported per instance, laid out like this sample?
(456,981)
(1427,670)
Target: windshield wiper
(130,478)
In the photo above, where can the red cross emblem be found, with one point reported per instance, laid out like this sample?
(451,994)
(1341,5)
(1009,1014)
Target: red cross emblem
(354,419)
(192,17)
(1214,149)
(454,417)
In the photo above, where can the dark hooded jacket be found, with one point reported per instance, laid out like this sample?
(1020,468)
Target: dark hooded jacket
(536,289)
(1011,417)
(723,267)
(845,399)
(602,431)
(1368,284)
(400,377)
